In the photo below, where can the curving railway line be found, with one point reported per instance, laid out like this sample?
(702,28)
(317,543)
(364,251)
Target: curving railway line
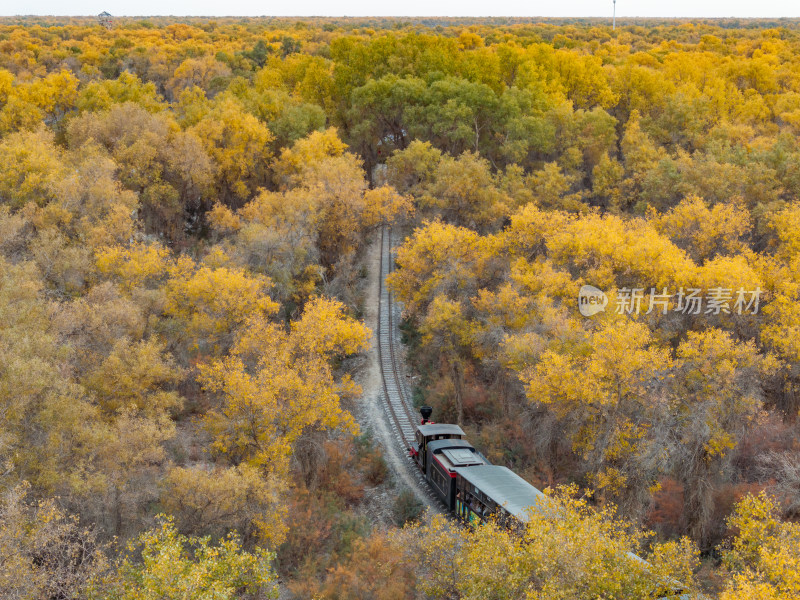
(396,398)
(395,393)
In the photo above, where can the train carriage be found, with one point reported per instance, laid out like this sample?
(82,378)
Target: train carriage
(475,490)
(438,450)
(486,490)
(443,458)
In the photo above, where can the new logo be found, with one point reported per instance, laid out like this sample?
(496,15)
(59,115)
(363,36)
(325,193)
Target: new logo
(591,300)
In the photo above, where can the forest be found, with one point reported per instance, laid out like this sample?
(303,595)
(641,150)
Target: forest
(188,209)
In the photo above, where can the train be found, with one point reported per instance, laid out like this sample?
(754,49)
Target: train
(464,480)
(474,490)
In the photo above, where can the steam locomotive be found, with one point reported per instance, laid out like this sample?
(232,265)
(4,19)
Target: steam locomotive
(473,489)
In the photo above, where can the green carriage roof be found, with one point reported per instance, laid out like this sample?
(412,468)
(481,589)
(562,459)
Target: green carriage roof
(504,487)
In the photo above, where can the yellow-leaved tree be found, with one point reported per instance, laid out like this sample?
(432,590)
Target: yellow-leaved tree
(276,385)
(717,393)
(239,145)
(170,565)
(211,303)
(601,390)
(567,551)
(764,558)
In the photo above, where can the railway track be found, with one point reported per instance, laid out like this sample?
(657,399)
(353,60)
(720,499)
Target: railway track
(396,397)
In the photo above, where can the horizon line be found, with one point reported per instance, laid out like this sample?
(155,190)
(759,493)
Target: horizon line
(216,16)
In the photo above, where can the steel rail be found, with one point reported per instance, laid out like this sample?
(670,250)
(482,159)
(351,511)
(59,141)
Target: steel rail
(394,392)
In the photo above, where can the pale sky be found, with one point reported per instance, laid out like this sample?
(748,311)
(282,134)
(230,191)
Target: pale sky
(467,8)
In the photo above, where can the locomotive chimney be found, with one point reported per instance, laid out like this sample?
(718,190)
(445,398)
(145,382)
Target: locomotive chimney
(426,412)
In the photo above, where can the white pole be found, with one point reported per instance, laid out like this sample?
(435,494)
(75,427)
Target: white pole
(614,22)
